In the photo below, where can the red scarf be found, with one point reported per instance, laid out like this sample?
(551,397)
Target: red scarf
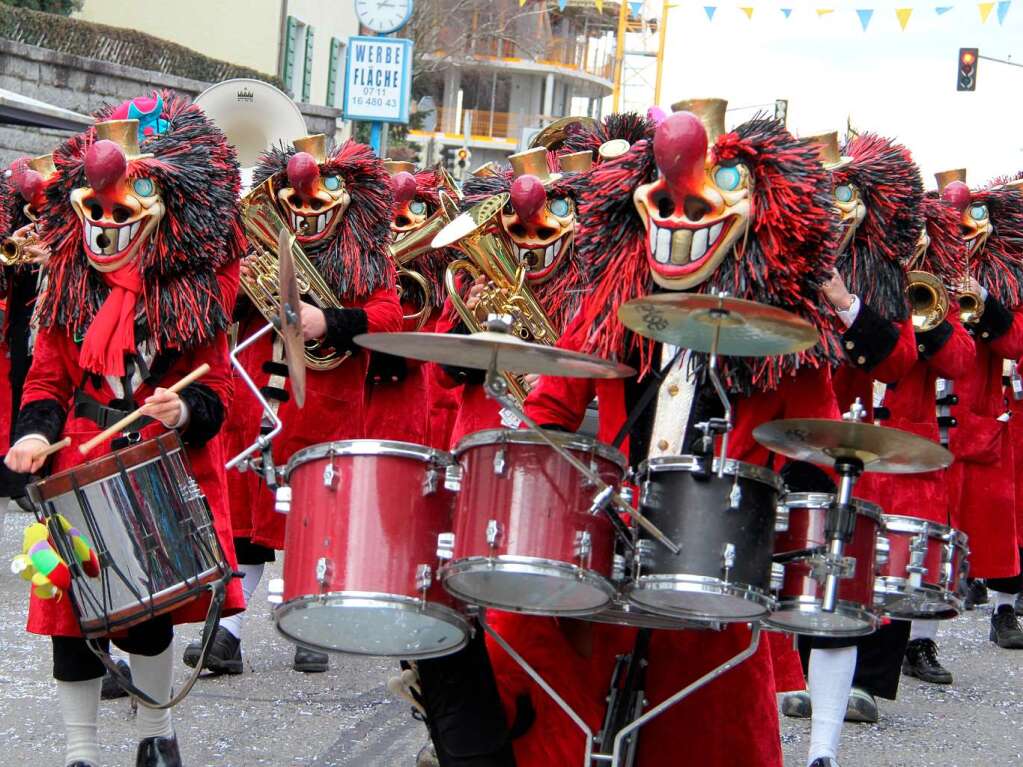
(112,332)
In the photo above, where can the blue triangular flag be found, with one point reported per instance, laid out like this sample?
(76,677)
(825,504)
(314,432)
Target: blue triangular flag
(1003,8)
(787,12)
(710,9)
(865,14)
(941,10)
(562,4)
(636,6)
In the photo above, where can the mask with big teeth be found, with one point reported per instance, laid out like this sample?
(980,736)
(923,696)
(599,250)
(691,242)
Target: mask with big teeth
(851,211)
(541,227)
(119,210)
(695,211)
(975,220)
(410,211)
(312,203)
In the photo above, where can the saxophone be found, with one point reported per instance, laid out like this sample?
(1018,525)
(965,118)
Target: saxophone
(263,223)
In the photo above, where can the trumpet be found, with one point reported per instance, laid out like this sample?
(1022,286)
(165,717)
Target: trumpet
(475,233)
(15,252)
(263,223)
(971,306)
(928,300)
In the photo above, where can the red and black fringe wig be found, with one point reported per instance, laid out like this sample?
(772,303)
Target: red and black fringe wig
(200,233)
(625,125)
(786,253)
(434,262)
(873,266)
(998,266)
(355,261)
(946,253)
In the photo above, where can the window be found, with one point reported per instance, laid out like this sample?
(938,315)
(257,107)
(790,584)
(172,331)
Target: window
(298,41)
(335,75)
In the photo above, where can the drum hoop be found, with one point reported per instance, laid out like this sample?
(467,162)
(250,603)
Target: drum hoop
(522,437)
(367,448)
(821,500)
(900,523)
(745,470)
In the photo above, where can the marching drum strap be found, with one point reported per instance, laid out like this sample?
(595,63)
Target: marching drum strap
(277,378)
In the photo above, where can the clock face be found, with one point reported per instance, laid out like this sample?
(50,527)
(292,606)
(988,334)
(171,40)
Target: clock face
(383,16)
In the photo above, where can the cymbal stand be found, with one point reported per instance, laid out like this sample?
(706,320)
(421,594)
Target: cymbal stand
(242,461)
(720,426)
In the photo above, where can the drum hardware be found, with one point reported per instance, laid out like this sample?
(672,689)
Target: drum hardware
(797,554)
(922,574)
(626,697)
(453,478)
(618,568)
(781,521)
(727,561)
(329,476)
(424,579)
(583,548)
(777,576)
(1015,380)
(264,463)
(917,553)
(430,481)
(493,534)
(499,462)
(324,571)
(445,546)
(882,550)
(944,401)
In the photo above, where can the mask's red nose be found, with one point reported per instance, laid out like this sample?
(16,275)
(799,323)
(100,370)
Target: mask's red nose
(680,151)
(957,194)
(105,164)
(527,196)
(31,185)
(303,172)
(403,185)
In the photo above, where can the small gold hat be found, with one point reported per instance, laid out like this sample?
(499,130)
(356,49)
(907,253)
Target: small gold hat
(43,165)
(394,167)
(316,145)
(486,169)
(534,162)
(554,135)
(826,145)
(711,113)
(946,177)
(576,162)
(124,133)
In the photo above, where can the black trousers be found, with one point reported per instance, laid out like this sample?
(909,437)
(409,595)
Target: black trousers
(1012,585)
(878,657)
(73,661)
(250,553)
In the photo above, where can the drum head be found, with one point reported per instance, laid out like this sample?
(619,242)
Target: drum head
(721,602)
(848,620)
(392,627)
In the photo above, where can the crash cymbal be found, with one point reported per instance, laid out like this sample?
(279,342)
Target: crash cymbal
(477,351)
(746,328)
(880,448)
(289,315)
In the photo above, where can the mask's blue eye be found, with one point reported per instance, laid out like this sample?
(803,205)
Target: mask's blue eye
(417,207)
(560,207)
(144,187)
(844,193)
(332,183)
(728,178)
(978,212)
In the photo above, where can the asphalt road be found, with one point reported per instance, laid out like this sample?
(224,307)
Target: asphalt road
(271,715)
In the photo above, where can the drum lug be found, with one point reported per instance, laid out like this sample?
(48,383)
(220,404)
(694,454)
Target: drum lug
(583,548)
(499,462)
(728,560)
(644,556)
(882,549)
(821,565)
(282,499)
(494,533)
(324,571)
(595,470)
(948,555)
(777,576)
(445,546)
(453,478)
(275,591)
(649,496)
(330,476)
(430,482)
(735,496)
(917,555)
(781,518)
(424,579)
(618,568)
(190,491)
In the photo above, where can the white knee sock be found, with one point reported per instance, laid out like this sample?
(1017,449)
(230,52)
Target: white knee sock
(999,598)
(154,675)
(830,678)
(79,707)
(923,630)
(250,582)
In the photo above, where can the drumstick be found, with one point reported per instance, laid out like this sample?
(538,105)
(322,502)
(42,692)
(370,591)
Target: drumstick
(51,449)
(133,416)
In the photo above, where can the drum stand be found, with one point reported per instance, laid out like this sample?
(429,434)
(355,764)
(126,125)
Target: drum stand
(614,759)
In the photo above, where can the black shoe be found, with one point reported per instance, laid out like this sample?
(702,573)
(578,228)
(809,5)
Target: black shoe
(309,661)
(796,705)
(81,764)
(976,594)
(922,662)
(862,707)
(1018,605)
(1005,630)
(427,757)
(824,761)
(158,752)
(224,657)
(111,689)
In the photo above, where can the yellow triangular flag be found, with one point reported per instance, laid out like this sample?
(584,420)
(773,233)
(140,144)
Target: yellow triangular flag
(903,14)
(825,11)
(600,5)
(748,10)
(522,3)
(985,10)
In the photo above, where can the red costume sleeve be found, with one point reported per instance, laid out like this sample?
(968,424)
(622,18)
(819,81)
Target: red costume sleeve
(562,401)
(1009,345)
(383,311)
(50,378)
(902,357)
(957,355)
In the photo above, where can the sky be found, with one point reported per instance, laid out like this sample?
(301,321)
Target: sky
(900,84)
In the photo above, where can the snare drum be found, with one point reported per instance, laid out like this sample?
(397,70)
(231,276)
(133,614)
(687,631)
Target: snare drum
(724,528)
(524,537)
(926,564)
(802,588)
(360,558)
(150,526)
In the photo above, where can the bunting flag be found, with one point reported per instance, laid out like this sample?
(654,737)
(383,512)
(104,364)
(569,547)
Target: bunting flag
(787,12)
(865,15)
(562,4)
(903,15)
(709,10)
(985,11)
(636,6)
(825,11)
(941,10)
(1003,8)
(748,10)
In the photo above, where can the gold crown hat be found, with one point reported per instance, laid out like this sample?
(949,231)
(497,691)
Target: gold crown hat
(316,145)
(576,162)
(826,145)
(711,113)
(124,133)
(43,165)
(394,167)
(486,170)
(554,135)
(945,177)
(533,162)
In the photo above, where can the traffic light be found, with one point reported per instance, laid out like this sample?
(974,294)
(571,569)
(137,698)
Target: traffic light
(462,157)
(966,78)
(447,157)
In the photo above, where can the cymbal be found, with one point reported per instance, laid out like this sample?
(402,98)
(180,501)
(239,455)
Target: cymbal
(880,448)
(478,351)
(746,328)
(290,317)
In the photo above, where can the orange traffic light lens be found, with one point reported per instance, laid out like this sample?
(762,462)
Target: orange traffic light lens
(968,58)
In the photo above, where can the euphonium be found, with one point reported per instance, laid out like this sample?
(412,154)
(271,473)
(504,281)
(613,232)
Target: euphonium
(15,252)
(475,233)
(263,224)
(928,300)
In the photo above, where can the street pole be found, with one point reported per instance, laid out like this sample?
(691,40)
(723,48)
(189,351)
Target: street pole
(662,33)
(623,12)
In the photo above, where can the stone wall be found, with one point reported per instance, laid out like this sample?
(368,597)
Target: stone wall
(84,85)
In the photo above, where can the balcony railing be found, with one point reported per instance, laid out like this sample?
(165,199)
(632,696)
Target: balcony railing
(503,126)
(580,54)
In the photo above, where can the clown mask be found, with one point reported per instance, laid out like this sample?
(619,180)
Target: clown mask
(410,211)
(851,211)
(313,201)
